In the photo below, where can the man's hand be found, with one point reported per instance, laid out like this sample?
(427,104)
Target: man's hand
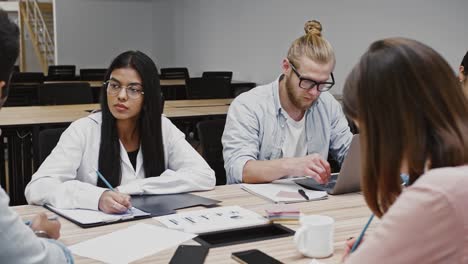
(311,165)
(51,227)
(114,202)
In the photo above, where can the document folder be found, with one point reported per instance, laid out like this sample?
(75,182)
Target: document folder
(164,204)
(91,218)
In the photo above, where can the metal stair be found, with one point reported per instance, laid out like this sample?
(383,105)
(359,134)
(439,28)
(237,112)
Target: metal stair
(37,18)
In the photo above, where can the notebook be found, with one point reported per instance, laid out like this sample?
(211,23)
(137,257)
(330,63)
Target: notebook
(286,191)
(90,218)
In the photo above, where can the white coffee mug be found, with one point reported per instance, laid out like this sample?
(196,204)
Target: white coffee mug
(314,239)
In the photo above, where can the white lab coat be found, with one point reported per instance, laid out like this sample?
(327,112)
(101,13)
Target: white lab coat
(67,178)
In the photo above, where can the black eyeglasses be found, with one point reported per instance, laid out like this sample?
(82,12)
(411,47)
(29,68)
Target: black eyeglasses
(307,84)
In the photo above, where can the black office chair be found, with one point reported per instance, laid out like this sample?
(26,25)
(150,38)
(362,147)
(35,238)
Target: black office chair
(65,93)
(210,132)
(48,139)
(174,73)
(174,92)
(242,87)
(61,73)
(92,74)
(209,88)
(24,88)
(219,89)
(218,74)
(27,77)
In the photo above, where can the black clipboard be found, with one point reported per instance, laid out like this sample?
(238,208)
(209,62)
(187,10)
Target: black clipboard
(242,235)
(164,204)
(95,224)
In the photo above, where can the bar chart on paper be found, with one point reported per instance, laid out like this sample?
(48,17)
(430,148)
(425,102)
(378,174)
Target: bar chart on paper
(213,219)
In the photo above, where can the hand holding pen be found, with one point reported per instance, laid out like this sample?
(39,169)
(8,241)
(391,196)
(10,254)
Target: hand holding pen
(112,201)
(352,244)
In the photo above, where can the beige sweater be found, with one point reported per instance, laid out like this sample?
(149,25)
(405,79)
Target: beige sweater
(427,224)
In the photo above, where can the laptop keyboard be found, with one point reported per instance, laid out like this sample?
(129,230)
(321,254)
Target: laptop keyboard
(310,183)
(330,184)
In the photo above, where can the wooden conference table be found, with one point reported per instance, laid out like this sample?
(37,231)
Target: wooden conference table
(163,82)
(349,211)
(53,114)
(21,126)
(96,84)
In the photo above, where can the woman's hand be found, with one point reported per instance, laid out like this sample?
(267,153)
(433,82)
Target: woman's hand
(114,202)
(348,246)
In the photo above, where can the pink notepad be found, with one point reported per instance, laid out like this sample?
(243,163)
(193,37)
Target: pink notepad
(282,209)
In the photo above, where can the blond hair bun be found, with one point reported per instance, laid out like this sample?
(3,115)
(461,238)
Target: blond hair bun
(313,27)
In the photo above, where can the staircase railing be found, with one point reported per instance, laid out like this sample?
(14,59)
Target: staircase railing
(39,33)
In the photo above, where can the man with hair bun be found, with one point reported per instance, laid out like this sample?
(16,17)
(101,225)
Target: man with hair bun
(288,127)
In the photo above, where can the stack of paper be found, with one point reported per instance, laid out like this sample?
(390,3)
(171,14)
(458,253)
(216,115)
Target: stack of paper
(283,214)
(285,191)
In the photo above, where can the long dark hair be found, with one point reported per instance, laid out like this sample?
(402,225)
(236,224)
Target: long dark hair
(149,122)
(409,107)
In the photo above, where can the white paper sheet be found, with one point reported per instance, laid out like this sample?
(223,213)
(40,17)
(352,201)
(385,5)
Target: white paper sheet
(272,191)
(130,244)
(213,219)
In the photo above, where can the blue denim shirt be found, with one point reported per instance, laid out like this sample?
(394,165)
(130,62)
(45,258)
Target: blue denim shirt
(255,129)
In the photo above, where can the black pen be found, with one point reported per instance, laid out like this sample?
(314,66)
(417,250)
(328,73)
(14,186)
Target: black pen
(303,194)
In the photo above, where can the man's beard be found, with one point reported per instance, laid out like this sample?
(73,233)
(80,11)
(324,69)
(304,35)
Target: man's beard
(295,99)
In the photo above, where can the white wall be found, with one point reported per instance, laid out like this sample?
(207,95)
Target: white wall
(90,33)
(163,32)
(250,37)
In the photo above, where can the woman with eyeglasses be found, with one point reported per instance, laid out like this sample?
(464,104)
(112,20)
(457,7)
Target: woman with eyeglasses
(413,120)
(134,147)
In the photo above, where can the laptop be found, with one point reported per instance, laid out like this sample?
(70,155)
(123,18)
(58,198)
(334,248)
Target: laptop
(349,178)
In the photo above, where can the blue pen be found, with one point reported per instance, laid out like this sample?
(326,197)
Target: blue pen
(104,180)
(129,211)
(358,240)
(51,218)
(405,179)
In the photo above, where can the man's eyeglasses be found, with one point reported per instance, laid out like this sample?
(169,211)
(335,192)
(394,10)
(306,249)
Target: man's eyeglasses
(307,84)
(134,91)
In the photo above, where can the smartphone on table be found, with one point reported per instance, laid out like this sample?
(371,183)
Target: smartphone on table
(254,256)
(189,254)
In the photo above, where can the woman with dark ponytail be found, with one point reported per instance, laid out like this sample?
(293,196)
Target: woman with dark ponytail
(129,142)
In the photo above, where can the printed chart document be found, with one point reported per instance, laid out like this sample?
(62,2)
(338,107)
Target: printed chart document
(130,244)
(284,190)
(213,219)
